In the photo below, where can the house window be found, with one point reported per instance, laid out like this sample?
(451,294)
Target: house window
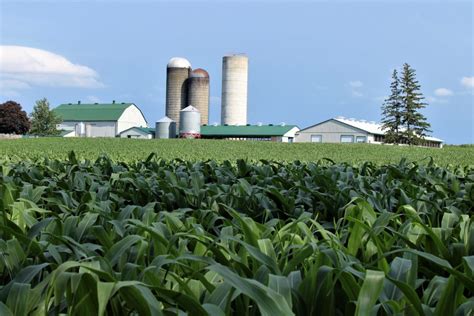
(316,138)
(347,138)
(361,139)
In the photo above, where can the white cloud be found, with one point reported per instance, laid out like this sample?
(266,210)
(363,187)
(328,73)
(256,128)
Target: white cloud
(468,82)
(357,94)
(432,100)
(443,92)
(24,67)
(93,99)
(355,88)
(356,84)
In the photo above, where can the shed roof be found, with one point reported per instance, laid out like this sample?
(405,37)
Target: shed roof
(91,112)
(146,130)
(245,130)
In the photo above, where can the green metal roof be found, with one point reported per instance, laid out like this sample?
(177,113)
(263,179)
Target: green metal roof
(245,130)
(91,112)
(146,130)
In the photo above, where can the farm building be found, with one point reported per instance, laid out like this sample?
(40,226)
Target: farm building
(138,132)
(98,120)
(344,130)
(277,133)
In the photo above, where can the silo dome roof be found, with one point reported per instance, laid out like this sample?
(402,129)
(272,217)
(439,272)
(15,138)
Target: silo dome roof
(179,62)
(199,73)
(190,109)
(165,119)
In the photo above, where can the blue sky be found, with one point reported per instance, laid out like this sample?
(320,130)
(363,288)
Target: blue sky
(308,61)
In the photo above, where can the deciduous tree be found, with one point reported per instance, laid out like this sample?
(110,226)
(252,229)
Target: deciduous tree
(13,120)
(44,120)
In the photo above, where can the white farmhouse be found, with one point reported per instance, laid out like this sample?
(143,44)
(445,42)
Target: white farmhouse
(344,130)
(98,120)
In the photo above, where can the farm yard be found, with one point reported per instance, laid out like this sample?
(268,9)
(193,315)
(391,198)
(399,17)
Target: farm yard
(290,229)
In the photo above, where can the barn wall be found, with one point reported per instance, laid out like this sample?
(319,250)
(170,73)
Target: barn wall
(131,117)
(330,131)
(93,129)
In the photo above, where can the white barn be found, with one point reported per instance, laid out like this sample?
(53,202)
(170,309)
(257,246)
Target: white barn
(98,120)
(344,130)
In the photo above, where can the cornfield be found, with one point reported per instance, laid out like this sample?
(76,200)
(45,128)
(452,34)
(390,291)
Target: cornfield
(175,237)
(122,149)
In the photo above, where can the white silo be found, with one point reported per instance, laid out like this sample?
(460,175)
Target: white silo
(190,123)
(234,90)
(177,72)
(165,128)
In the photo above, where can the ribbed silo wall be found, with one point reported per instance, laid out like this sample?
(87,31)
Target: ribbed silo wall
(176,91)
(190,126)
(198,96)
(234,90)
(165,130)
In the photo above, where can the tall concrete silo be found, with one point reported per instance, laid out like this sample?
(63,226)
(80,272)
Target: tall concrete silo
(234,90)
(190,123)
(198,93)
(178,71)
(165,128)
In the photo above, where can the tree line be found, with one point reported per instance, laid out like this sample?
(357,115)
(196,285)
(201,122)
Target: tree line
(402,120)
(41,122)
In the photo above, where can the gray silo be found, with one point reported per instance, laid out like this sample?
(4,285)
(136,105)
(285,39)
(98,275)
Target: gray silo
(177,72)
(198,93)
(190,126)
(165,128)
(234,90)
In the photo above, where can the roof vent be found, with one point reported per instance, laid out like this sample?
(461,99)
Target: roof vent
(113,101)
(248,124)
(226,124)
(78,102)
(123,102)
(270,124)
(96,103)
(69,103)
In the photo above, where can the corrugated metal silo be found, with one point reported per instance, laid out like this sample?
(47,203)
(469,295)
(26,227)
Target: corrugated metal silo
(165,128)
(198,93)
(190,124)
(234,90)
(178,71)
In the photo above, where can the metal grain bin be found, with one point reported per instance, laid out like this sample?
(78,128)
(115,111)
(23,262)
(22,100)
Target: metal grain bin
(165,128)
(178,71)
(198,93)
(190,126)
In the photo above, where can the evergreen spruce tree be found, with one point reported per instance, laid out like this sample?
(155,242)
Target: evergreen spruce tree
(43,120)
(415,124)
(392,112)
